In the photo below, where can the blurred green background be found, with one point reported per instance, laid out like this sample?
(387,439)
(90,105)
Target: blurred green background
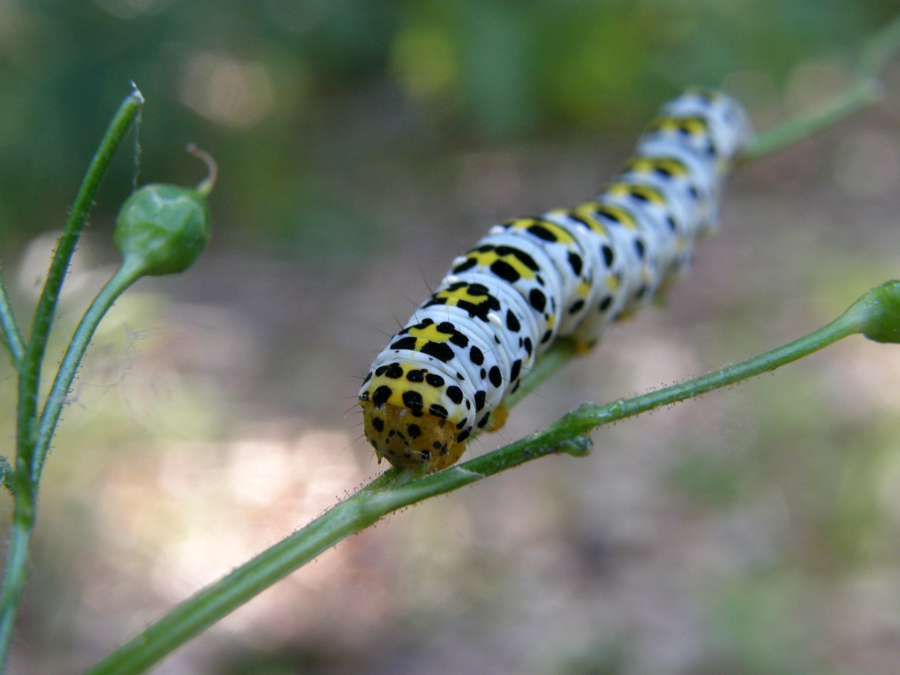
(361,146)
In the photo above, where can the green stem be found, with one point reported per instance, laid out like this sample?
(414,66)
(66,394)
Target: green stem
(550,361)
(126,275)
(9,329)
(25,495)
(26,476)
(879,50)
(395,489)
(862,93)
(25,479)
(29,373)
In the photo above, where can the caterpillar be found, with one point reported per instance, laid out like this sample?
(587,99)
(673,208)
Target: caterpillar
(566,273)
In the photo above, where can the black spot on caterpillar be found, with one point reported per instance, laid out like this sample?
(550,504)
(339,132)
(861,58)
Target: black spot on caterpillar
(569,272)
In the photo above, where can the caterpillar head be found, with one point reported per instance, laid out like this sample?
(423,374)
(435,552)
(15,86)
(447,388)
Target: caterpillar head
(411,416)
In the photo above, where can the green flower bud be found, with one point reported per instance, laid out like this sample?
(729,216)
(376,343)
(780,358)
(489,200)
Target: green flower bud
(882,309)
(163,229)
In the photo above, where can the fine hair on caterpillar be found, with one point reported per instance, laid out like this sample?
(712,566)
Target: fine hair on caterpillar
(569,272)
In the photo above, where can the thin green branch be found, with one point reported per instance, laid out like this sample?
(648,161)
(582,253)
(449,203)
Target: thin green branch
(878,50)
(29,373)
(9,329)
(876,314)
(860,94)
(865,90)
(26,475)
(550,361)
(84,332)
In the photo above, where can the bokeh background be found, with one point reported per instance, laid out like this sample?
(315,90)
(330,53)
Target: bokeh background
(361,146)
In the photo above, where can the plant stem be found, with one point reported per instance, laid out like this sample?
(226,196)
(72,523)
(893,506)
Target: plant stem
(397,488)
(26,476)
(879,50)
(29,373)
(9,329)
(860,94)
(550,361)
(84,332)
(865,90)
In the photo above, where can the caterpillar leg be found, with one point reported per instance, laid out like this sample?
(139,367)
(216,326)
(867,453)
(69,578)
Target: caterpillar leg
(454,452)
(498,418)
(583,347)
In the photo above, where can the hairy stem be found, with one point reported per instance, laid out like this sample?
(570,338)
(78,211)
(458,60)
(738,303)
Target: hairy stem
(9,329)
(862,93)
(123,278)
(26,475)
(878,50)
(397,488)
(29,373)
